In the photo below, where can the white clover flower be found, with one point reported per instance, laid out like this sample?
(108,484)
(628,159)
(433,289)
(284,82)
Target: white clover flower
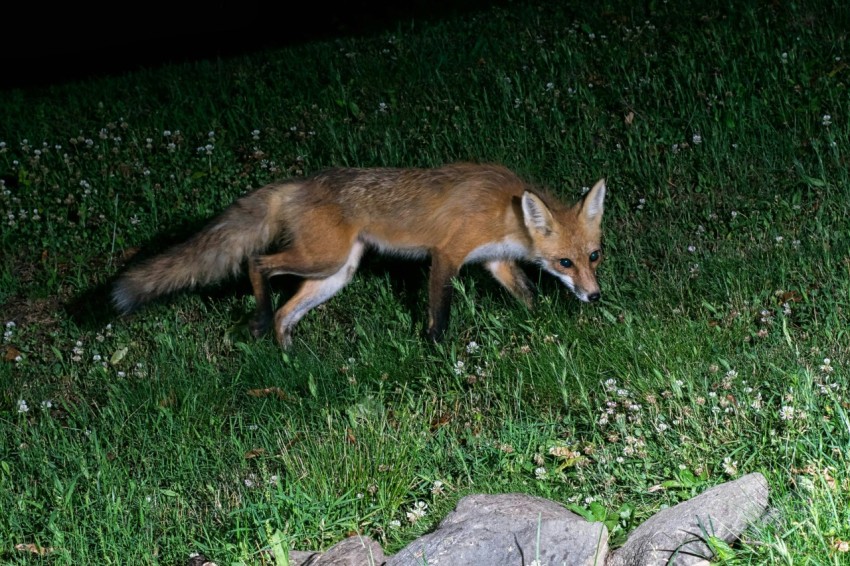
(22,406)
(472,347)
(697,139)
(540,473)
(826,120)
(418,511)
(786,413)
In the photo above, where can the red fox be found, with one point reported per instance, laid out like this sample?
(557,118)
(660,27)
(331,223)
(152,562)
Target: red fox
(319,227)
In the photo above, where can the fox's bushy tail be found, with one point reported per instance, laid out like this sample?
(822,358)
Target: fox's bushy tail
(219,250)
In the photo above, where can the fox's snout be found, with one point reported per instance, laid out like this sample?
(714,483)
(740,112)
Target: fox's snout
(585,296)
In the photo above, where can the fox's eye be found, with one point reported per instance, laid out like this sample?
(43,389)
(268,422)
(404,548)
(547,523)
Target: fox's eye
(566,263)
(594,256)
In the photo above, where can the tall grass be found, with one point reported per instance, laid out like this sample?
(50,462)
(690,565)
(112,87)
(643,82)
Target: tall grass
(720,346)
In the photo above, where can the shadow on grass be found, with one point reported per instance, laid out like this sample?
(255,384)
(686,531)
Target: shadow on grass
(92,309)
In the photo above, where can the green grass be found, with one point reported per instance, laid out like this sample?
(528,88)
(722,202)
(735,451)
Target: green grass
(725,287)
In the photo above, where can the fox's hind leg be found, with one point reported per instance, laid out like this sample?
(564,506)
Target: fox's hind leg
(313,292)
(262,319)
(293,261)
(512,278)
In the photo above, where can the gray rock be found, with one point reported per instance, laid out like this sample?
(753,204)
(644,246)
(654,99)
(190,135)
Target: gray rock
(353,551)
(675,536)
(302,557)
(508,530)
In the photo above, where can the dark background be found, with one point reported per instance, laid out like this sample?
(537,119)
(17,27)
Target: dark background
(44,44)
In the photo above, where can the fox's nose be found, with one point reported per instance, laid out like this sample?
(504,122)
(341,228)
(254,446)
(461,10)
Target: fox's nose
(593,297)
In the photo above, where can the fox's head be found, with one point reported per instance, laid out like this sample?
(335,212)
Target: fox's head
(567,243)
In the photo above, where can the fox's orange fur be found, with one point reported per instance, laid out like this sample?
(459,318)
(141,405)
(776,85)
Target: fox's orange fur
(319,227)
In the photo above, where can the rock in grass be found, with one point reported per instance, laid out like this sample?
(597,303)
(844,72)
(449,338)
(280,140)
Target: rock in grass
(677,536)
(510,530)
(353,551)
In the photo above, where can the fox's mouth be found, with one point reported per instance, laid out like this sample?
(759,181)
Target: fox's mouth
(589,297)
(580,294)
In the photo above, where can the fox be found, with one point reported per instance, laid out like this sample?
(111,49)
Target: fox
(318,228)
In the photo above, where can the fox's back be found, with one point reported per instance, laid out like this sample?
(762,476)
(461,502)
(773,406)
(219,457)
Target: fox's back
(416,209)
(416,194)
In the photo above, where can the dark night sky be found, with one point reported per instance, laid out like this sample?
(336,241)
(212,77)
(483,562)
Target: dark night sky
(45,44)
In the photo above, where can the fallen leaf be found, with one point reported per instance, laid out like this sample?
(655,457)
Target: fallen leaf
(10,353)
(790,297)
(34,549)
(442,420)
(349,436)
(630,117)
(128,253)
(268,392)
(118,355)
(254,452)
(657,487)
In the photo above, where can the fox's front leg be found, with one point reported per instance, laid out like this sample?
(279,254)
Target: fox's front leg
(440,295)
(512,278)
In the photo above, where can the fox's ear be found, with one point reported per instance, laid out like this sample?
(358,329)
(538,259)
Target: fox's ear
(536,214)
(593,203)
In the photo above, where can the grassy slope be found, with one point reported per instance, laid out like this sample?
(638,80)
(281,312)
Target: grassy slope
(725,285)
